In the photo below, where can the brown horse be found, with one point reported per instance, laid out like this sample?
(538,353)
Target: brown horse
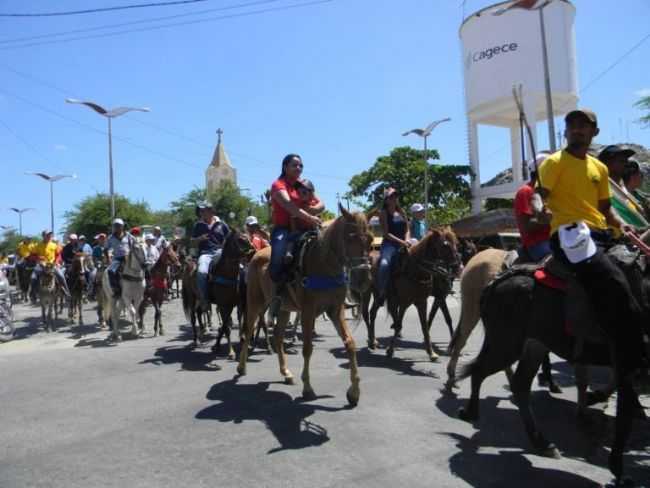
(47,289)
(157,288)
(412,282)
(100,265)
(222,288)
(320,287)
(76,279)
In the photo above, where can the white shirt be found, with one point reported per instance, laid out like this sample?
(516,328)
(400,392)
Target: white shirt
(151,256)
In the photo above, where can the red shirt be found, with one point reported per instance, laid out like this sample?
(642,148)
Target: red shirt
(281,217)
(522,205)
(259,242)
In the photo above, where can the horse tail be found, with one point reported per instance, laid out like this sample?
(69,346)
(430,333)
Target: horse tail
(188,303)
(457,333)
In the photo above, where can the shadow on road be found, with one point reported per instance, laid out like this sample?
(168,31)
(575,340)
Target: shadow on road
(188,358)
(500,426)
(285,417)
(378,359)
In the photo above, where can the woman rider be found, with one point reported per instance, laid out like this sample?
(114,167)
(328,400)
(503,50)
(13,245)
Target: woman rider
(396,235)
(285,201)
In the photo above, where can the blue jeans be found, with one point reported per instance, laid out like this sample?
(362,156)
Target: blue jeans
(280,239)
(387,255)
(539,251)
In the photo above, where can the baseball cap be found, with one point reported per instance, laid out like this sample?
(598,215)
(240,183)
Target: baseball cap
(82,237)
(100,236)
(156,227)
(149,236)
(576,242)
(585,112)
(135,231)
(251,220)
(47,232)
(389,191)
(614,149)
(73,237)
(118,222)
(417,207)
(534,164)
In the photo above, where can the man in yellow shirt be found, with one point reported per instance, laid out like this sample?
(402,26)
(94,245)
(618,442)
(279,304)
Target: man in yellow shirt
(25,248)
(576,189)
(46,251)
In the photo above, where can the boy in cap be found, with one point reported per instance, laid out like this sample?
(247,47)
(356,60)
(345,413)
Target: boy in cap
(418,224)
(576,188)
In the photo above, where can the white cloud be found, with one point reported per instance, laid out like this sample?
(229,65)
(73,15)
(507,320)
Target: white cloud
(60,147)
(645,92)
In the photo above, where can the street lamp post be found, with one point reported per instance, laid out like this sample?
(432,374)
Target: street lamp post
(425,133)
(20,212)
(109,114)
(51,180)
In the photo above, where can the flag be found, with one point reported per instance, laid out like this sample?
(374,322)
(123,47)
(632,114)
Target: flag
(525,4)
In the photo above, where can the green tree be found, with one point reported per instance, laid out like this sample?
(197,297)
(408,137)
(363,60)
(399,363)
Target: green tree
(9,241)
(404,169)
(93,214)
(644,104)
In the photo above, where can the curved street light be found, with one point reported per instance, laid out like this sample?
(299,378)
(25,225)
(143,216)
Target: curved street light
(424,133)
(51,179)
(20,212)
(109,114)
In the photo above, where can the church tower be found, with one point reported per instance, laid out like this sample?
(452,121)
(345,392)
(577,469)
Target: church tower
(220,168)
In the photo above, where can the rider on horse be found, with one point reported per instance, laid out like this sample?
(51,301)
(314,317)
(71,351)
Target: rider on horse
(394,224)
(160,241)
(576,188)
(151,255)
(46,254)
(533,220)
(209,233)
(259,238)
(286,204)
(418,224)
(118,244)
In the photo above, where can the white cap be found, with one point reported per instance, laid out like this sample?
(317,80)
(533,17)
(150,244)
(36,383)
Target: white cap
(417,207)
(374,220)
(118,221)
(251,220)
(73,237)
(82,237)
(533,165)
(156,227)
(576,242)
(148,236)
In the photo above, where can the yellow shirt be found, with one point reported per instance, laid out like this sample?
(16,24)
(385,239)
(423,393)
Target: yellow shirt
(25,249)
(46,251)
(576,186)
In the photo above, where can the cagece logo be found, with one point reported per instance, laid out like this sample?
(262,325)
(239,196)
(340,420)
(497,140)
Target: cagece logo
(489,53)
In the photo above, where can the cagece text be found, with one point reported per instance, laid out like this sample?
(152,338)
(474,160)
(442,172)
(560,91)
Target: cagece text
(494,51)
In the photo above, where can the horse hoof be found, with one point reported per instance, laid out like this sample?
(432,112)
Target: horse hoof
(308,395)
(353,400)
(289,380)
(433,357)
(231,356)
(556,390)
(389,352)
(463,414)
(550,451)
(161,332)
(241,371)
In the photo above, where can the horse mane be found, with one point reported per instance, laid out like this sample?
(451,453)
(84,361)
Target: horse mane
(329,237)
(443,231)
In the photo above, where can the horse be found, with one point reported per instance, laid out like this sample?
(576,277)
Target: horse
(76,280)
(320,286)
(133,286)
(479,271)
(47,291)
(523,321)
(100,265)
(434,255)
(441,288)
(222,287)
(157,289)
(176,271)
(23,278)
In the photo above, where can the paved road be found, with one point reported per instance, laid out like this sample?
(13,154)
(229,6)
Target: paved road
(78,412)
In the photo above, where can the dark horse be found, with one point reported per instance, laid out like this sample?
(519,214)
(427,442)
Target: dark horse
(222,287)
(524,320)
(434,257)
(157,288)
(76,279)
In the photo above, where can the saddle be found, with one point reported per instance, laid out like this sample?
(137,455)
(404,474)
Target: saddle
(296,253)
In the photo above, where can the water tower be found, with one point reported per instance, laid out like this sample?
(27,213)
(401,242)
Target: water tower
(500,51)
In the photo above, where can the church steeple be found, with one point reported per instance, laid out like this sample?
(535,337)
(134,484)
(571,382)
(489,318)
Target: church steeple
(220,168)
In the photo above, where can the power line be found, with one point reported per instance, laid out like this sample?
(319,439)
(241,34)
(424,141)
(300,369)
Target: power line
(102,9)
(165,26)
(135,22)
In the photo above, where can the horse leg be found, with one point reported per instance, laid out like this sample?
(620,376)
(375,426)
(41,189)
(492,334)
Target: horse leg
(463,330)
(422,314)
(545,378)
(308,319)
(81,317)
(278,336)
(220,334)
(397,312)
(261,322)
(338,319)
(529,363)
(227,326)
(246,336)
(369,318)
(447,315)
(626,409)
(433,312)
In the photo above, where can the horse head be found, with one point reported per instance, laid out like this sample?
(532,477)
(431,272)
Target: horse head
(47,278)
(352,240)
(237,245)
(169,257)
(440,244)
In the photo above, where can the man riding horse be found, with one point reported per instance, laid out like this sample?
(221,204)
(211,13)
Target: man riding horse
(209,234)
(118,245)
(46,254)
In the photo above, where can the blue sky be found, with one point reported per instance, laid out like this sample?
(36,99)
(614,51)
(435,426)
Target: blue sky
(337,82)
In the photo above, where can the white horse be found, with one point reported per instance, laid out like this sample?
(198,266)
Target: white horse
(133,285)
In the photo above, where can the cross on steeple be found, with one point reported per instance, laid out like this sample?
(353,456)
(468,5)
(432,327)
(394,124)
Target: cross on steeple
(219,134)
